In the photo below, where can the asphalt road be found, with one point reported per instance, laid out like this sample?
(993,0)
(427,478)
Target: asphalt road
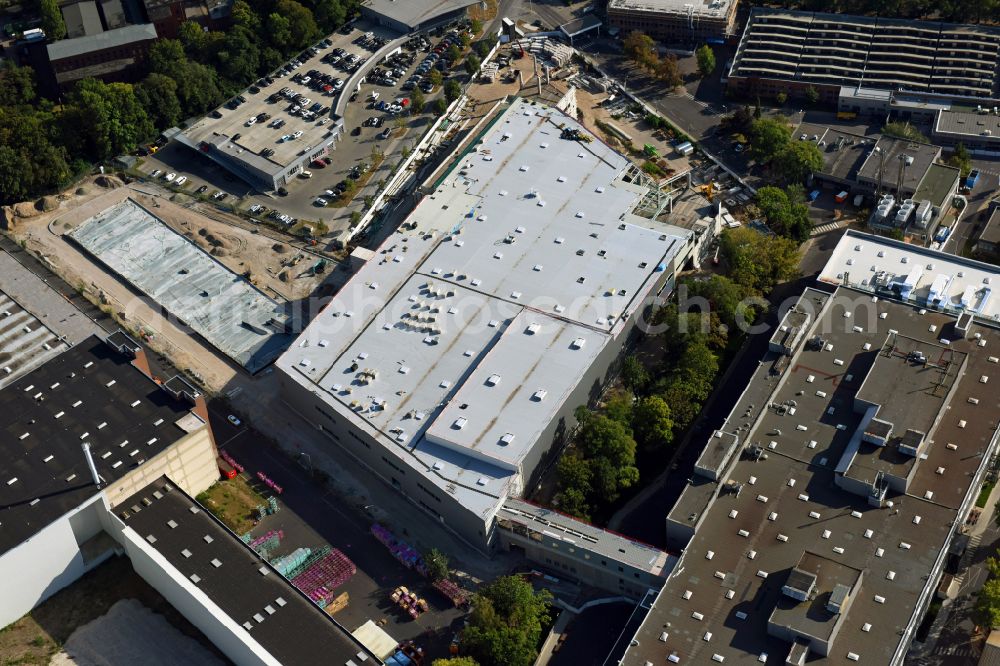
(974,219)
(952,640)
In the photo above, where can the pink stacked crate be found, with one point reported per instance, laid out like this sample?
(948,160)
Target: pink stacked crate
(321,579)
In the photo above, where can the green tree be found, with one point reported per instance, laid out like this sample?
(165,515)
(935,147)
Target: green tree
(194,40)
(436,564)
(330,14)
(440,106)
(706,59)
(652,422)
(244,16)
(903,131)
(166,56)
(279,32)
(634,375)
(726,298)
(961,160)
(797,160)
(109,118)
(476,26)
(452,90)
(618,406)
(455,661)
(505,624)
(454,54)
(239,57)
(483,46)
(301,24)
(784,216)
(158,95)
(759,261)
(417,101)
(575,487)
(52,19)
(17,85)
(781,98)
(812,95)
(769,136)
(987,609)
(465,39)
(472,64)
(435,77)
(608,445)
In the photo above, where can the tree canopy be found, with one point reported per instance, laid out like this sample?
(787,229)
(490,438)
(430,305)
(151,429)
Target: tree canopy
(786,215)
(52,19)
(437,564)
(505,625)
(797,160)
(706,59)
(903,130)
(770,136)
(455,661)
(759,261)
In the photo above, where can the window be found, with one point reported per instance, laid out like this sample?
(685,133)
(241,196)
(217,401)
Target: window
(393,465)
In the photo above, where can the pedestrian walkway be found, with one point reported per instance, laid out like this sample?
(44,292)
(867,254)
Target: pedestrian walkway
(828,227)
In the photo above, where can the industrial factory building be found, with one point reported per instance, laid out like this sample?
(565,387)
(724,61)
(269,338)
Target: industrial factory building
(789,52)
(82,432)
(674,21)
(452,361)
(820,515)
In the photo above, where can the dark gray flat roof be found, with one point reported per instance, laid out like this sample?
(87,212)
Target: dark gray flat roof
(130,34)
(243,585)
(89,393)
(923,155)
(747,543)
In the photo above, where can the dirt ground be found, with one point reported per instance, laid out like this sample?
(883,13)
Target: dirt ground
(125,636)
(232,501)
(237,248)
(36,637)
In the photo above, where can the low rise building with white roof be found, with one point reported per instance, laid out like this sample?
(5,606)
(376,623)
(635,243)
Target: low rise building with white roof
(451,363)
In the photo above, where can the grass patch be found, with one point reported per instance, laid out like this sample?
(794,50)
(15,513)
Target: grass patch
(232,501)
(984,494)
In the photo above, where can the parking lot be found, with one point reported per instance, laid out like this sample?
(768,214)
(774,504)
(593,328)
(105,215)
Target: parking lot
(280,127)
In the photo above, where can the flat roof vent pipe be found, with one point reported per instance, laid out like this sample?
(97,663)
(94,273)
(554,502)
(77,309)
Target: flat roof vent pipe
(90,464)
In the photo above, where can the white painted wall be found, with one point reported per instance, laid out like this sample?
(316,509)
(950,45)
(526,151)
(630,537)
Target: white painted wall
(49,561)
(193,604)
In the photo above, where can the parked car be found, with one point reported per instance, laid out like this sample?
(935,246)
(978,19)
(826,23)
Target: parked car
(170,177)
(384,134)
(156,174)
(306,174)
(320,201)
(181,180)
(235,421)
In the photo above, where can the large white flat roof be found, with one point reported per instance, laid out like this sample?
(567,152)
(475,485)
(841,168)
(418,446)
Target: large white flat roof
(966,284)
(462,338)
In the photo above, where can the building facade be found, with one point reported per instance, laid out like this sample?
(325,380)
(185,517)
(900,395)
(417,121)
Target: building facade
(446,366)
(674,21)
